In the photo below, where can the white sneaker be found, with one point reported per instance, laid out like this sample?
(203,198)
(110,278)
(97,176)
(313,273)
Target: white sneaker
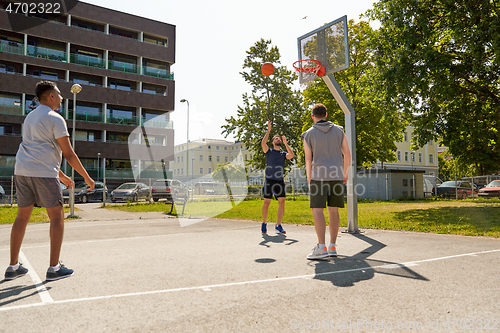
(332,250)
(318,253)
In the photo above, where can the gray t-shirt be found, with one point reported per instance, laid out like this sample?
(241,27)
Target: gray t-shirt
(39,154)
(325,141)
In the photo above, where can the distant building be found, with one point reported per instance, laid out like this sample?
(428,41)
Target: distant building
(424,158)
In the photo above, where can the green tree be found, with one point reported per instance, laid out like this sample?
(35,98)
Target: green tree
(229,172)
(441,64)
(271,98)
(450,166)
(378,123)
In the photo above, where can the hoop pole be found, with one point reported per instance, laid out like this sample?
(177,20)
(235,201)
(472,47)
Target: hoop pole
(350,131)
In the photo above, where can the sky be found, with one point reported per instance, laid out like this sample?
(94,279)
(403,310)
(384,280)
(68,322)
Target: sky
(212,38)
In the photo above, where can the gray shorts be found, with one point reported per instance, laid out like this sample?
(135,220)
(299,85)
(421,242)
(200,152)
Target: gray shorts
(41,192)
(326,193)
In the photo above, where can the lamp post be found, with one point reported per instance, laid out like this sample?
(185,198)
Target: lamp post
(192,176)
(98,165)
(187,141)
(75,89)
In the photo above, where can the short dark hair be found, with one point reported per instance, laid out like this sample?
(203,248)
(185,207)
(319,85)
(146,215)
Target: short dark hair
(276,136)
(42,87)
(319,110)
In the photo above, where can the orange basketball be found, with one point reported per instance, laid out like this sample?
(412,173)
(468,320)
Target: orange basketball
(267,68)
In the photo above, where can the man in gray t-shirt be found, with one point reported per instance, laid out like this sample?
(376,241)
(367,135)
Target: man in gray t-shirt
(327,158)
(38,177)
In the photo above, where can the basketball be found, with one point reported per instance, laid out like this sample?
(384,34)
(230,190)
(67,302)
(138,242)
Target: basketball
(267,68)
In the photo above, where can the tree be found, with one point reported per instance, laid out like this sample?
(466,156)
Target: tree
(440,63)
(271,98)
(229,172)
(378,123)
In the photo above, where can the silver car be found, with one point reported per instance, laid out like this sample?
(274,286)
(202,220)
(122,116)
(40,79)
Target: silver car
(130,192)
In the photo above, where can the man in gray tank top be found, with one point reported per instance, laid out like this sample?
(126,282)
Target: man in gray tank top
(327,158)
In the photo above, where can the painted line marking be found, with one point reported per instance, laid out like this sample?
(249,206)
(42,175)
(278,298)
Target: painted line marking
(40,287)
(205,288)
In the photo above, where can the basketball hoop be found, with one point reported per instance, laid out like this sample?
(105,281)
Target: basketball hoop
(318,69)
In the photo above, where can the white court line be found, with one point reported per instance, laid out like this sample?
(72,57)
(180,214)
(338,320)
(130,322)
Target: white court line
(40,287)
(208,287)
(130,238)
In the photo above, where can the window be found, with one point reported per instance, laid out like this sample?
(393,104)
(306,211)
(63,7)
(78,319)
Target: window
(217,147)
(182,158)
(201,171)
(430,143)
(405,182)
(210,158)
(413,156)
(225,148)
(406,136)
(245,157)
(201,158)
(218,158)
(225,159)
(209,170)
(431,158)
(178,159)
(398,154)
(406,156)
(419,157)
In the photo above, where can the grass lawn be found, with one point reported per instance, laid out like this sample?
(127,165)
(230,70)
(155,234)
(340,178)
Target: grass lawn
(475,217)
(8,214)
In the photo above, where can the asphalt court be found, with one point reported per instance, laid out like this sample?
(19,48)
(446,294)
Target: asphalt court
(152,275)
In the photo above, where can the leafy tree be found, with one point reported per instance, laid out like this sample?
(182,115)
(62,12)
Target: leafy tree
(450,166)
(229,172)
(440,63)
(378,123)
(271,98)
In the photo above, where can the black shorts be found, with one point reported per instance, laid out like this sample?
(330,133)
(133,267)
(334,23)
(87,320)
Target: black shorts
(326,193)
(274,187)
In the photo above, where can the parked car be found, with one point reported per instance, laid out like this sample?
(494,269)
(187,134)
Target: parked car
(82,193)
(492,190)
(464,190)
(130,192)
(167,188)
(2,192)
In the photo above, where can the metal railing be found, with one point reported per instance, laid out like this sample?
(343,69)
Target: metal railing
(11,109)
(156,72)
(121,66)
(93,117)
(46,53)
(85,60)
(11,47)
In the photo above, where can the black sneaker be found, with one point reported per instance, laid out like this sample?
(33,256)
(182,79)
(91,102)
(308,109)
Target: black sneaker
(62,273)
(11,273)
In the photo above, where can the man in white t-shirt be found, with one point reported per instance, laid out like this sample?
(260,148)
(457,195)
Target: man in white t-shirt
(38,177)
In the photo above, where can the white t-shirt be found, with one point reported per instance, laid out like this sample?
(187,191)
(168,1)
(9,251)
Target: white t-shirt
(39,154)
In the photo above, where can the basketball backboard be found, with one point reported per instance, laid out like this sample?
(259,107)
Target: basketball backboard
(329,44)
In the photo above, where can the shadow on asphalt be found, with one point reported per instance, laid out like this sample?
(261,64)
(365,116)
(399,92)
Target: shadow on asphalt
(344,271)
(278,239)
(12,294)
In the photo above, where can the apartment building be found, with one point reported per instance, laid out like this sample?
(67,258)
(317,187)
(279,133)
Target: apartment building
(424,158)
(122,61)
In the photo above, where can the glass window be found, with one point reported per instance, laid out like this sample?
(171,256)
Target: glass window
(201,171)
(406,156)
(431,158)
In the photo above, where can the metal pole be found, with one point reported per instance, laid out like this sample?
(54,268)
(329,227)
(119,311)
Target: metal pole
(11,189)
(414,187)
(72,191)
(104,192)
(387,187)
(350,132)
(98,166)
(75,89)
(456,189)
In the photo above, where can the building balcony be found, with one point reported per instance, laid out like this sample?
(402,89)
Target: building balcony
(46,53)
(157,72)
(121,66)
(11,47)
(87,116)
(11,109)
(85,60)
